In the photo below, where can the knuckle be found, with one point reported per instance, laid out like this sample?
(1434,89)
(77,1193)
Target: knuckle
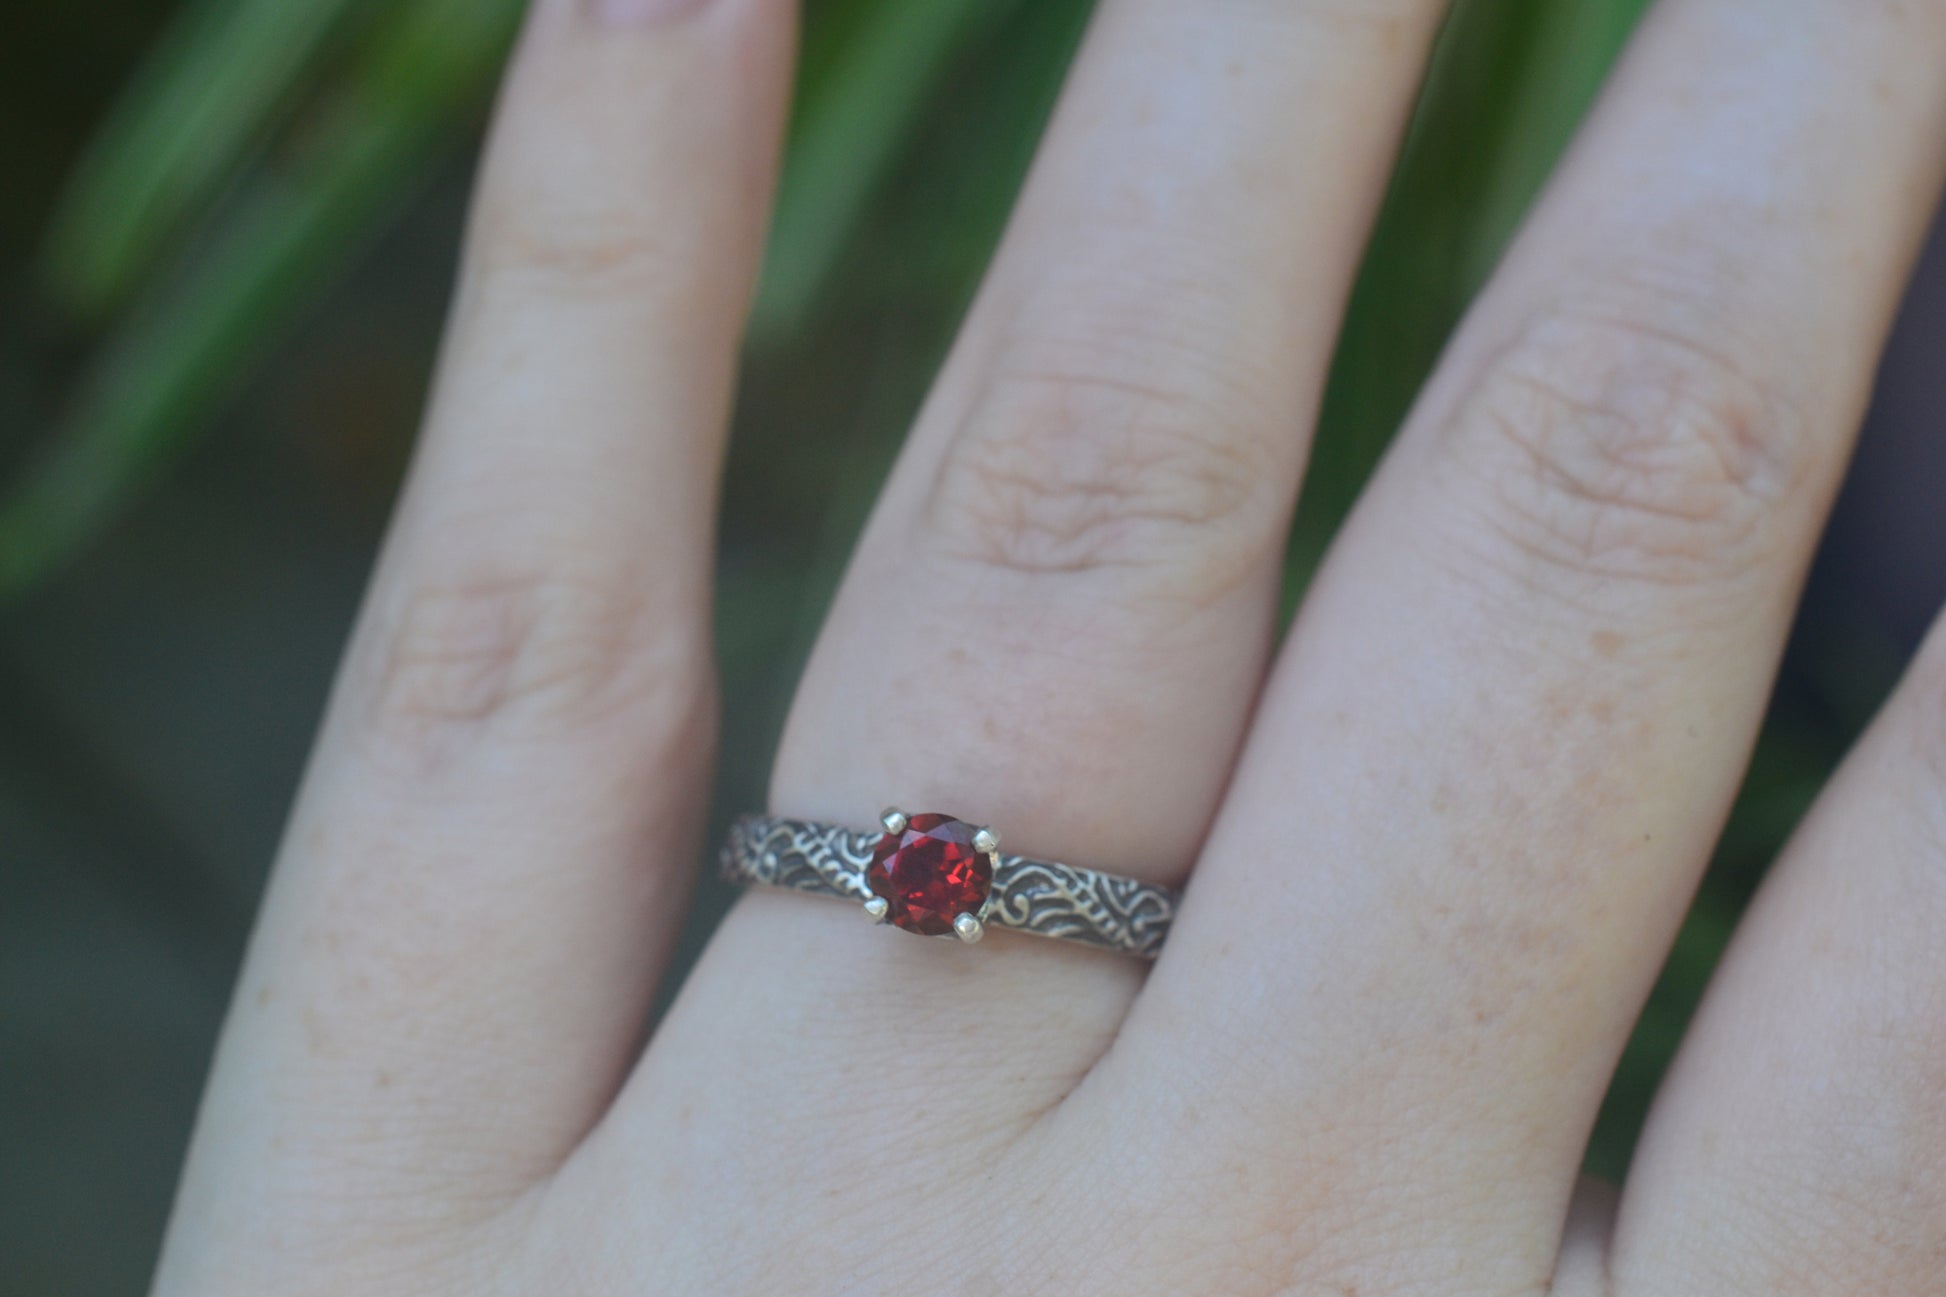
(1616,448)
(1095,468)
(524,653)
(569,252)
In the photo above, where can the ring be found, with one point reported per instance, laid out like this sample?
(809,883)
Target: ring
(939,876)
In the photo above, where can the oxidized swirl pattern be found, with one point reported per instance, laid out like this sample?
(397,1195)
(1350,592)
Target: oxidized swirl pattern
(1036,896)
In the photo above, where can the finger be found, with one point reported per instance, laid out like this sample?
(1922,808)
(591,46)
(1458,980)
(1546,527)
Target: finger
(1511,715)
(1799,1145)
(489,855)
(1073,569)
(1059,612)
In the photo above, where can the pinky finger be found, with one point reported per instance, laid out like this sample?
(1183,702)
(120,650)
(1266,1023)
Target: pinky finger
(488,858)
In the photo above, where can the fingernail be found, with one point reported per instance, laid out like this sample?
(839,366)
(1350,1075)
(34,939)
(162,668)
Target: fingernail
(635,13)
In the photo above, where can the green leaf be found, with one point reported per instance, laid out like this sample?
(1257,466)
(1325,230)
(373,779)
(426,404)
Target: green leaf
(286,235)
(212,90)
(866,76)
(930,239)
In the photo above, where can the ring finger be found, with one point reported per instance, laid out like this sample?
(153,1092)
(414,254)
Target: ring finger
(1058,617)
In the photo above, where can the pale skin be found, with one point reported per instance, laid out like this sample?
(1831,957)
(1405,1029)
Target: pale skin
(1436,840)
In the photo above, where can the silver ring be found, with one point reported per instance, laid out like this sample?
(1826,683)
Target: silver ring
(935,875)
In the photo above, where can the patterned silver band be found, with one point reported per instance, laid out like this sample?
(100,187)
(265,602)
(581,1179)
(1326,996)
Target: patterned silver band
(1036,896)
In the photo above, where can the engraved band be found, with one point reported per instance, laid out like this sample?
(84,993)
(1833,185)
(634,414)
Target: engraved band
(1037,896)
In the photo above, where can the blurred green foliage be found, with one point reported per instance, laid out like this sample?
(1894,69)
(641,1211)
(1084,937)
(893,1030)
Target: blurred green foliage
(266,142)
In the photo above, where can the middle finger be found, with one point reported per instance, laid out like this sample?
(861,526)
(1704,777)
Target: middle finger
(1513,712)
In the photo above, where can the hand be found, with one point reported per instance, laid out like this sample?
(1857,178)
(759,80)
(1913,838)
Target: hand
(1439,843)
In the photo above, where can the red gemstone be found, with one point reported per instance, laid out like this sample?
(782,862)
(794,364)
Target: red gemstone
(929,874)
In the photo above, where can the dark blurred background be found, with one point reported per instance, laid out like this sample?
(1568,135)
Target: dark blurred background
(227,229)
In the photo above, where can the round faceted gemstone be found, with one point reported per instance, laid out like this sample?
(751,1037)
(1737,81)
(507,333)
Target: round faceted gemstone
(929,874)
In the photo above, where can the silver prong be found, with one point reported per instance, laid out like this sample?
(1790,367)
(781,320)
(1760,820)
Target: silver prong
(877,908)
(893,820)
(968,929)
(986,841)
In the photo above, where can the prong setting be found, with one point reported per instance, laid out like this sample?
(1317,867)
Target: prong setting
(876,908)
(930,877)
(986,841)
